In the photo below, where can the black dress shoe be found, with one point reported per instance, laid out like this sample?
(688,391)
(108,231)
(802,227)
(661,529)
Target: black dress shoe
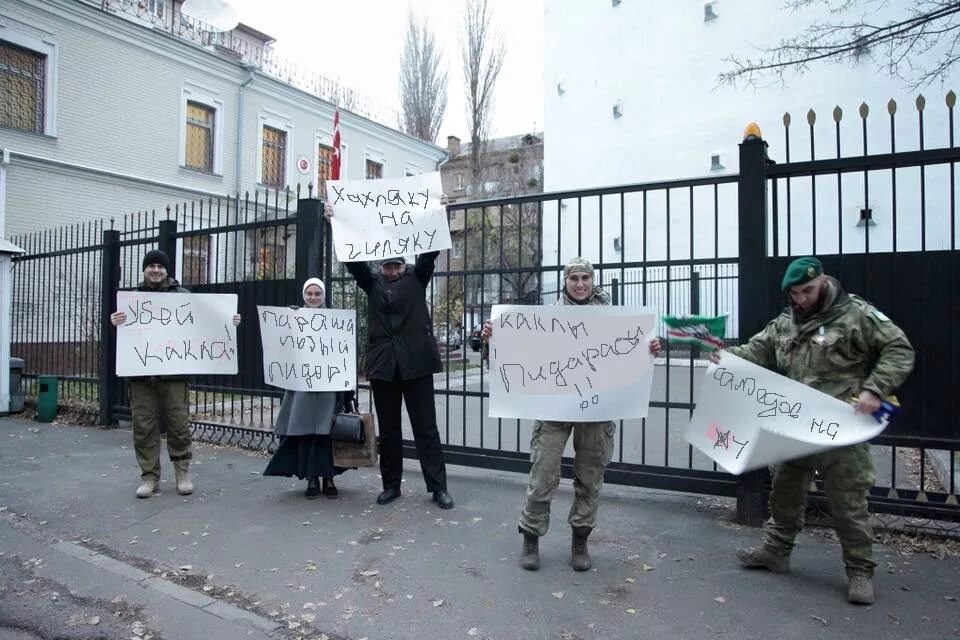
(388,495)
(443,499)
(330,489)
(313,488)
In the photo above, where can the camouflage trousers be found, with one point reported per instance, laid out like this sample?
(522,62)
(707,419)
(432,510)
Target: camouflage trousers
(848,475)
(593,449)
(152,401)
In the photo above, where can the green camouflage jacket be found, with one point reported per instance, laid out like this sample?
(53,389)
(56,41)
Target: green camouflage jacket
(846,347)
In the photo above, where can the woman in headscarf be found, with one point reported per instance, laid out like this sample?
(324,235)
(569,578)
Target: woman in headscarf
(304,423)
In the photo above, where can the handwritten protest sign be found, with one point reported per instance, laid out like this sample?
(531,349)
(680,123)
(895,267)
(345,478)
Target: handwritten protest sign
(308,349)
(376,219)
(748,417)
(580,364)
(176,333)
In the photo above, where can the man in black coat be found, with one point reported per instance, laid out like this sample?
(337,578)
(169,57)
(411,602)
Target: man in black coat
(402,357)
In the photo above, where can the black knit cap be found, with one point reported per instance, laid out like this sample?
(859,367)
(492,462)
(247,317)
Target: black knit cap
(156,256)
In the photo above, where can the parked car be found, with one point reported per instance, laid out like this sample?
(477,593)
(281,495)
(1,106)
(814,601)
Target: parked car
(449,340)
(476,342)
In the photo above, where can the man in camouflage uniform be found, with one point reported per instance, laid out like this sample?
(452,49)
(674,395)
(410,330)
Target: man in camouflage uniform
(592,445)
(156,397)
(840,345)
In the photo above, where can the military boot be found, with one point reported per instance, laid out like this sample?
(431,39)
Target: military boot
(579,555)
(182,470)
(530,557)
(860,588)
(763,558)
(147,488)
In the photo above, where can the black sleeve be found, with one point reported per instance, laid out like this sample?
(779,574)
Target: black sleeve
(426,263)
(362,274)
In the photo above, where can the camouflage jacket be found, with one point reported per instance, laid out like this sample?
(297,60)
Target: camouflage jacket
(845,348)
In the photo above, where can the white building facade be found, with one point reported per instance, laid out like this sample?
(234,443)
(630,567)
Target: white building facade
(117,106)
(633,85)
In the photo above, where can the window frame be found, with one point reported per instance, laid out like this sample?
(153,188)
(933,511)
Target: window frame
(376,156)
(282,123)
(193,93)
(49,50)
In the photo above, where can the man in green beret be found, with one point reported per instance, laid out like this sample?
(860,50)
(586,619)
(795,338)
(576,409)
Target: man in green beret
(840,345)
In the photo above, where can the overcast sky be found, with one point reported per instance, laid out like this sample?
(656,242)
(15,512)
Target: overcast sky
(359,43)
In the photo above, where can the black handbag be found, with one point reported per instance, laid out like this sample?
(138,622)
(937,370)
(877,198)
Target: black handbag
(347,427)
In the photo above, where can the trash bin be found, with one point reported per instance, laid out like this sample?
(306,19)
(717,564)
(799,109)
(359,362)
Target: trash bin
(16,393)
(46,398)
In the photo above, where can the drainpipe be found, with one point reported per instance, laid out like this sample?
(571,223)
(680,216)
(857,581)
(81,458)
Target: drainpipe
(239,151)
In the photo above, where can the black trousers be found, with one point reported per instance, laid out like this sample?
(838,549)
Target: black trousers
(418,395)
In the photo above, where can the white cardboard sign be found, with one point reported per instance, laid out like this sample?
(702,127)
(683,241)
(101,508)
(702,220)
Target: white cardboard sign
(309,349)
(748,417)
(578,364)
(377,219)
(176,333)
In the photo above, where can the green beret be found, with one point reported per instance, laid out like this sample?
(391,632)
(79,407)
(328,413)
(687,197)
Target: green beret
(801,271)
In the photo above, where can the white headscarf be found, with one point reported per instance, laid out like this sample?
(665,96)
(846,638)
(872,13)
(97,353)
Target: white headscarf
(313,281)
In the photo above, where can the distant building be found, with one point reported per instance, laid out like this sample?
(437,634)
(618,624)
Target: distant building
(512,166)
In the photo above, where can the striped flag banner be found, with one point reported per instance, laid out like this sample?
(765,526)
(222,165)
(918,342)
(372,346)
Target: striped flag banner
(697,330)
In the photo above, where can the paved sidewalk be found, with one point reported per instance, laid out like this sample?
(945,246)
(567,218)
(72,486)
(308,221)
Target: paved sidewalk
(249,557)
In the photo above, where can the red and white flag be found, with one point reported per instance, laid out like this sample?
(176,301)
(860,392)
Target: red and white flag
(335,163)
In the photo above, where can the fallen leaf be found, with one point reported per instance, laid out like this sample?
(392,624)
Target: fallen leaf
(558,594)
(186,567)
(823,621)
(631,611)
(720,599)
(472,631)
(647,567)
(631,580)
(369,573)
(437,603)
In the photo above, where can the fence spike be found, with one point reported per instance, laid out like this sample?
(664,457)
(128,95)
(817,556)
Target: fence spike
(921,102)
(864,110)
(951,98)
(892,106)
(786,119)
(837,114)
(811,117)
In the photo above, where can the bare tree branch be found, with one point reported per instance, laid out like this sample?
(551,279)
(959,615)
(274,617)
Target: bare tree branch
(482,52)
(918,48)
(423,81)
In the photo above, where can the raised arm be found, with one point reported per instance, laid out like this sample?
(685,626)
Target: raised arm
(362,274)
(426,263)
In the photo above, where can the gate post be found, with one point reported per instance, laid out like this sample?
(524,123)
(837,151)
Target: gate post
(167,242)
(312,256)
(752,288)
(109,284)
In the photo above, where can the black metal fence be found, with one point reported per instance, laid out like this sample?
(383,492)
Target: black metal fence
(714,245)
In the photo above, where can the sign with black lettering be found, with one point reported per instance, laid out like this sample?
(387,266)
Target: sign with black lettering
(308,349)
(748,417)
(577,364)
(377,219)
(176,333)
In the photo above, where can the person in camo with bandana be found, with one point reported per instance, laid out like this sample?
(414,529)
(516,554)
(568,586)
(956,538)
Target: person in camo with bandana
(592,445)
(843,346)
